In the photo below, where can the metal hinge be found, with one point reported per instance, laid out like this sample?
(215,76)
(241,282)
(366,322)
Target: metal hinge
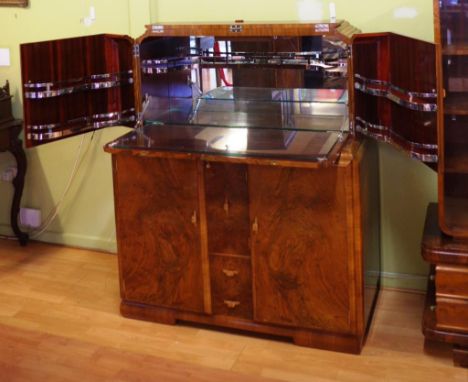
(235,28)
(157,28)
(136,50)
(322,28)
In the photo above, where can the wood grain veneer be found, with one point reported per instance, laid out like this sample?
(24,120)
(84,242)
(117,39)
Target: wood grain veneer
(275,268)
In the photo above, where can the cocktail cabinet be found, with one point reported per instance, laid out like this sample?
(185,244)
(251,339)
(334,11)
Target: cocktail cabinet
(247,196)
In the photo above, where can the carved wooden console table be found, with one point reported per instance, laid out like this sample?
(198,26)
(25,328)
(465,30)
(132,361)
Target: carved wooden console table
(10,129)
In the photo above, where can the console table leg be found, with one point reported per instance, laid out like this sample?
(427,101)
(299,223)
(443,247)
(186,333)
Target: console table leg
(18,184)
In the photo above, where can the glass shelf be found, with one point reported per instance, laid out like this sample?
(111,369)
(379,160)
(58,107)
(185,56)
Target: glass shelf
(298,109)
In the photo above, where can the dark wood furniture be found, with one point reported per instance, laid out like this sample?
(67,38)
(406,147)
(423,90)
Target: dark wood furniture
(247,197)
(451,35)
(446,311)
(446,248)
(10,130)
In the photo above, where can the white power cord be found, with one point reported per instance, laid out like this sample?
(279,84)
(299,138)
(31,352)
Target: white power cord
(55,211)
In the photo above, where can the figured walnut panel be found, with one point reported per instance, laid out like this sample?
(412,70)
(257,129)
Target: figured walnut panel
(240,29)
(231,285)
(227,208)
(300,248)
(158,243)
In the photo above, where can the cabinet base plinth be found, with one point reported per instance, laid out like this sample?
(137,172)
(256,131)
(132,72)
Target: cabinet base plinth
(302,337)
(458,340)
(460,356)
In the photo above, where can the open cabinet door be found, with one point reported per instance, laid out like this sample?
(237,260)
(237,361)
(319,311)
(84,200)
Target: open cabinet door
(76,85)
(395,96)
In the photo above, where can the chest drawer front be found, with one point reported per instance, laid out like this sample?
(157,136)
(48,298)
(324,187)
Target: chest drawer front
(452,281)
(231,286)
(452,314)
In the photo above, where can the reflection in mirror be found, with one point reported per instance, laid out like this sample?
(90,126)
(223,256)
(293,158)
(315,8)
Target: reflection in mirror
(279,82)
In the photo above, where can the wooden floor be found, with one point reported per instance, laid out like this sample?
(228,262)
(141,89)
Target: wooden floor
(59,321)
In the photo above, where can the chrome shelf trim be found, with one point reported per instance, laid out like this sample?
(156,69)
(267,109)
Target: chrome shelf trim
(46,136)
(74,89)
(105,81)
(388,130)
(401,90)
(388,93)
(389,136)
(88,120)
(46,85)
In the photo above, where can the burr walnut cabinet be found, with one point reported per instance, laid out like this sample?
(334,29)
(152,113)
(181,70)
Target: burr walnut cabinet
(247,195)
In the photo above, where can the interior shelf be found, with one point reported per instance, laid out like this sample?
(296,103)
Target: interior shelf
(455,50)
(456,104)
(456,161)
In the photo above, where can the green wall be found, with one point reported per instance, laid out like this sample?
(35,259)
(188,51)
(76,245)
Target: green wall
(87,218)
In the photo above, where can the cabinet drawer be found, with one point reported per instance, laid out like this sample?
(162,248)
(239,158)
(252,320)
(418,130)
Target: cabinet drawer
(452,281)
(452,314)
(231,286)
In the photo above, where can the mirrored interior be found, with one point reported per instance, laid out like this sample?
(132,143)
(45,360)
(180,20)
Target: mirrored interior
(297,83)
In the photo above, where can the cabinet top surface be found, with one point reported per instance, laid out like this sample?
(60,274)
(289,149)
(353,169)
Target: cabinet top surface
(315,146)
(239,27)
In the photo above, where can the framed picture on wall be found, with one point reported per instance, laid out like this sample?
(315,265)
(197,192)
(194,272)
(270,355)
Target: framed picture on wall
(14,3)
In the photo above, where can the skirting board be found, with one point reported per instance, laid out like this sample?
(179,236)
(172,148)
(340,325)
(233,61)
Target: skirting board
(72,240)
(404,281)
(389,279)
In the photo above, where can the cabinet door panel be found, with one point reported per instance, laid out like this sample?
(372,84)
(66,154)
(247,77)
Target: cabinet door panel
(227,208)
(301,253)
(395,97)
(158,231)
(75,85)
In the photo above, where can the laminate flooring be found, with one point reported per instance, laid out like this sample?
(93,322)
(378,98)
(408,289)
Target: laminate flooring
(60,321)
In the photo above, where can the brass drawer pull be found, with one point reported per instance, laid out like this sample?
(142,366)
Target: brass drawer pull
(231,304)
(226,205)
(255,226)
(230,272)
(194,218)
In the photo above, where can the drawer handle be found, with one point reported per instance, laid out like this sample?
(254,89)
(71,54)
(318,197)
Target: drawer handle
(230,272)
(255,225)
(433,308)
(231,304)
(226,205)
(194,218)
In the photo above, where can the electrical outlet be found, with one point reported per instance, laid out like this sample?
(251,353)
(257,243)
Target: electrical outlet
(30,217)
(9,174)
